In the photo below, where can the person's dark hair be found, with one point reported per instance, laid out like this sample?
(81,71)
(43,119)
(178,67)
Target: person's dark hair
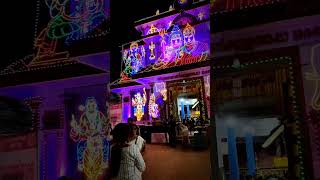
(130,120)
(133,127)
(120,136)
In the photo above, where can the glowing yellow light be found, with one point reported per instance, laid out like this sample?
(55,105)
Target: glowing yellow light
(139,102)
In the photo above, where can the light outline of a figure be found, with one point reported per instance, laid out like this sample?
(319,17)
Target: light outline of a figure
(315,76)
(139,102)
(91,137)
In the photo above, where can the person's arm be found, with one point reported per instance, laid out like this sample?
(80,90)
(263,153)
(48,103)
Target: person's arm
(139,162)
(143,145)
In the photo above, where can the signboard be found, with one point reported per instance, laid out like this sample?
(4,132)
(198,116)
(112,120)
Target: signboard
(275,35)
(220,6)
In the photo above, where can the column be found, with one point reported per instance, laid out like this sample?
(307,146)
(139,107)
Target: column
(34,103)
(233,155)
(126,106)
(188,111)
(251,164)
(182,111)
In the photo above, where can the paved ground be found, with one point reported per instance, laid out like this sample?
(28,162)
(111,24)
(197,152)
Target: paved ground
(166,163)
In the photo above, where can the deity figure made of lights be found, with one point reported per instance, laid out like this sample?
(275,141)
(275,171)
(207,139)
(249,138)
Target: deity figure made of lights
(194,51)
(161,88)
(90,134)
(153,107)
(139,103)
(133,59)
(174,52)
(69,20)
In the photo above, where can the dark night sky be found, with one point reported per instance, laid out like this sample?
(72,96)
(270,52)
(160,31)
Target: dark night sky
(17,29)
(18,26)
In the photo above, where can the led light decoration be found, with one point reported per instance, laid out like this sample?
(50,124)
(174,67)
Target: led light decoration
(315,76)
(70,20)
(127,66)
(163,43)
(139,102)
(207,85)
(153,107)
(161,88)
(200,16)
(133,59)
(178,44)
(151,47)
(74,18)
(89,133)
(182,2)
(153,30)
(175,48)
(232,5)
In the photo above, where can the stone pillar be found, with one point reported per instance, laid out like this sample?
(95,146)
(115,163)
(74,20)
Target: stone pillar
(34,104)
(126,106)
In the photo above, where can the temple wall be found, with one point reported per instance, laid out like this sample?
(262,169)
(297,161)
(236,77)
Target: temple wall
(301,32)
(52,143)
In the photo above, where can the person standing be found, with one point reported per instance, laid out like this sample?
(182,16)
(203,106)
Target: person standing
(166,129)
(135,138)
(126,161)
(172,131)
(131,122)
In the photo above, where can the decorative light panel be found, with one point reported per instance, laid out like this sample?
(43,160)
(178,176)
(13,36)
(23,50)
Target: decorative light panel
(89,132)
(153,107)
(139,103)
(185,41)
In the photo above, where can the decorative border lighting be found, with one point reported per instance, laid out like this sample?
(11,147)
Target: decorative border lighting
(315,76)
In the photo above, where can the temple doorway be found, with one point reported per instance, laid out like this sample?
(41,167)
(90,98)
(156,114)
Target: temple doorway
(186,100)
(253,108)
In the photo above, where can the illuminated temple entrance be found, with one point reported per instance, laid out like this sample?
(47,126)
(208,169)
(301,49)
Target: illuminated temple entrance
(236,106)
(165,88)
(187,99)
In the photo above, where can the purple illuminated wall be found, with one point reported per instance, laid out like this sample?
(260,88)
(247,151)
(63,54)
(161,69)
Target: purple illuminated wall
(52,143)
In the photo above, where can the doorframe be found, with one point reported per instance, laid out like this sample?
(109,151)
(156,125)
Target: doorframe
(175,83)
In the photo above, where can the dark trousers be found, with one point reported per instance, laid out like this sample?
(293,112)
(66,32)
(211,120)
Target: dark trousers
(172,138)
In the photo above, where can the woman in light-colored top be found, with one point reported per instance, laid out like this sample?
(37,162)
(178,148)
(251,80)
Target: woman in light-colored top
(134,138)
(126,160)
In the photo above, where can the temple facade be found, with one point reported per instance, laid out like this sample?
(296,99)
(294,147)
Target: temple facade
(253,88)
